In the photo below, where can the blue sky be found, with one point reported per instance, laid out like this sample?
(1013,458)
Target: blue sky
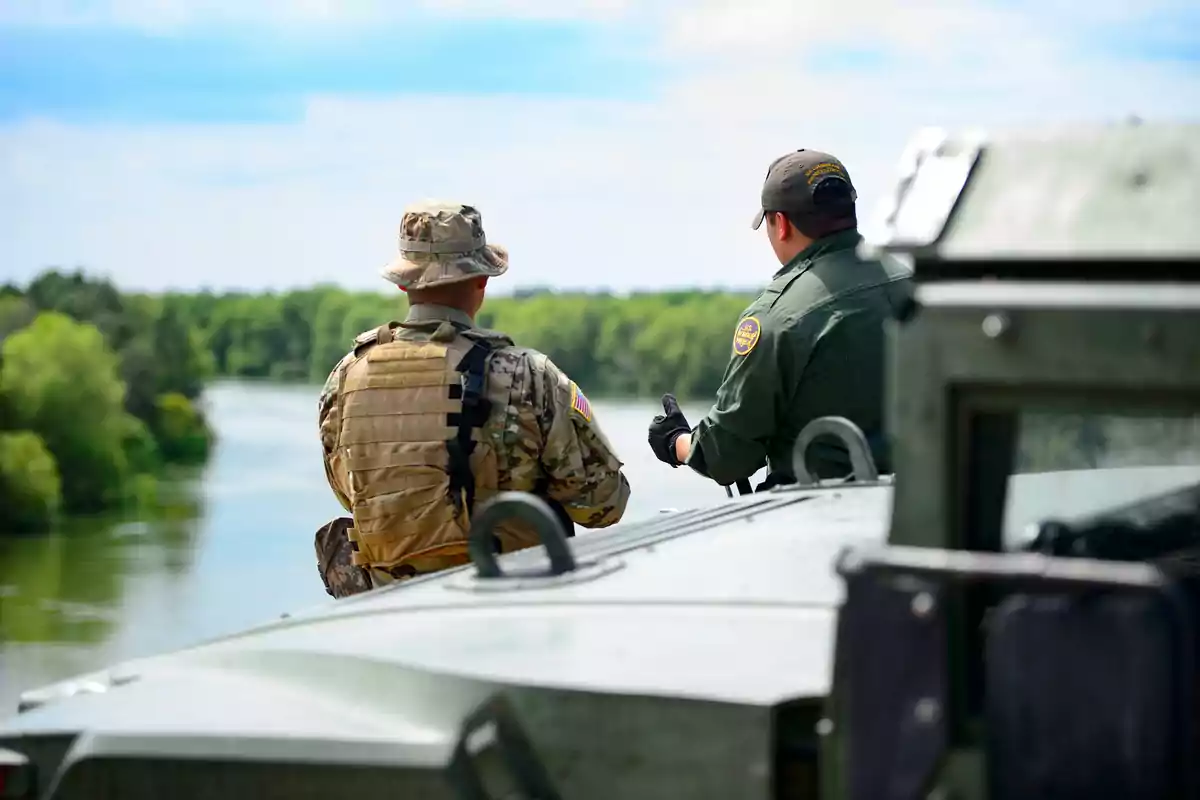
(85,74)
(609,143)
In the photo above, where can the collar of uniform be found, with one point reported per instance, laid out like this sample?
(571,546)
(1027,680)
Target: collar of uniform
(429,312)
(842,240)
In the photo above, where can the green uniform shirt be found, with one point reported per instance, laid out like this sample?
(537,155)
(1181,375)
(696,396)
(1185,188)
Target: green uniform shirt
(810,345)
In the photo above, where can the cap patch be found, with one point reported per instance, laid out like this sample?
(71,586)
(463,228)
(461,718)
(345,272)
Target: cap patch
(579,403)
(746,336)
(824,169)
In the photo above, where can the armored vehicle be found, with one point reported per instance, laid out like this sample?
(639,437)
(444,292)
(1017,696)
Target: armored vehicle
(1010,616)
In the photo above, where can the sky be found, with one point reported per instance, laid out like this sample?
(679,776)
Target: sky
(222,144)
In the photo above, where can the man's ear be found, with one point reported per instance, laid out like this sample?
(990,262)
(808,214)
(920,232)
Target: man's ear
(783,225)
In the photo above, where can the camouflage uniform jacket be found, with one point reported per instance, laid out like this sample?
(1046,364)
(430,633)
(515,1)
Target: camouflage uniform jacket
(541,426)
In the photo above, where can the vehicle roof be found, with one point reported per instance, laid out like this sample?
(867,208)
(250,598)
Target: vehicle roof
(731,603)
(1039,194)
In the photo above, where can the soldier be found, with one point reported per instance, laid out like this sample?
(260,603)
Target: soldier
(810,345)
(426,418)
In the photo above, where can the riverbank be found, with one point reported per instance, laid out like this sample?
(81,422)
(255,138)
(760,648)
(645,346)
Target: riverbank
(96,392)
(230,548)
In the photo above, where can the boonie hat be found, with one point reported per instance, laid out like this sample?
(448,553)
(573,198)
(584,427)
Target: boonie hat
(441,243)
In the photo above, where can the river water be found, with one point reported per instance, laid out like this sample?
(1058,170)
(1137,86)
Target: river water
(232,546)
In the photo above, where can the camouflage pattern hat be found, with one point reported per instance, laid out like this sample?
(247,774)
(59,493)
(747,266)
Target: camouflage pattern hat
(443,243)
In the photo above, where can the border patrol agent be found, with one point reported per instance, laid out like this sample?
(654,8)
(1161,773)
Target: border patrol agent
(810,345)
(426,418)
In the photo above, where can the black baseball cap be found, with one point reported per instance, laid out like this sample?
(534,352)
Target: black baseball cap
(791,187)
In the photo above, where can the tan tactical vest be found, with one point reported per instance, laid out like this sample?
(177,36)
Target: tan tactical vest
(411,433)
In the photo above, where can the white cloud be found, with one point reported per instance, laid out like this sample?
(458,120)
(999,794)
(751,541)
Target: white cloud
(584,193)
(738,26)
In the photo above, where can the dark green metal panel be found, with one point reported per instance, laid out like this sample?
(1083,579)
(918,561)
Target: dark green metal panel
(1057,274)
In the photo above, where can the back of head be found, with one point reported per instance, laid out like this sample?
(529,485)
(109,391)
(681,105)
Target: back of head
(814,190)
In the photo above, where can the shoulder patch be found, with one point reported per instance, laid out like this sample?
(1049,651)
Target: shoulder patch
(746,336)
(579,403)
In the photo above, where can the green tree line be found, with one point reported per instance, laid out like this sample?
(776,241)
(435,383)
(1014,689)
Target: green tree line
(639,345)
(642,344)
(98,387)
(97,392)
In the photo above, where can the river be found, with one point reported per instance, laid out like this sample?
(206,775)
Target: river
(232,545)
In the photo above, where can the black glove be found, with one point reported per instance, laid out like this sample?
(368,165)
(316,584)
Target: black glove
(666,428)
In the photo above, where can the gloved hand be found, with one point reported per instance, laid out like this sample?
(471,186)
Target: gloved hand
(666,428)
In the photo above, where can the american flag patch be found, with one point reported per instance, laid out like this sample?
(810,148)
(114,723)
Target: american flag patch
(579,403)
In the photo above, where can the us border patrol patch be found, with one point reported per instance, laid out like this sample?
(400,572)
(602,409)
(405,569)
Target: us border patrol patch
(579,403)
(746,336)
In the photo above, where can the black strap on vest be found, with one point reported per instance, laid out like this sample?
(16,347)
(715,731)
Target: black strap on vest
(475,410)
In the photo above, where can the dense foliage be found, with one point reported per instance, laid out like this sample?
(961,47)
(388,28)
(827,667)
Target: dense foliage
(100,384)
(634,346)
(644,344)
(96,392)
(30,487)
(98,387)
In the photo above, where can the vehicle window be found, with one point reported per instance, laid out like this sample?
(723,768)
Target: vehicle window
(1050,441)
(1073,464)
